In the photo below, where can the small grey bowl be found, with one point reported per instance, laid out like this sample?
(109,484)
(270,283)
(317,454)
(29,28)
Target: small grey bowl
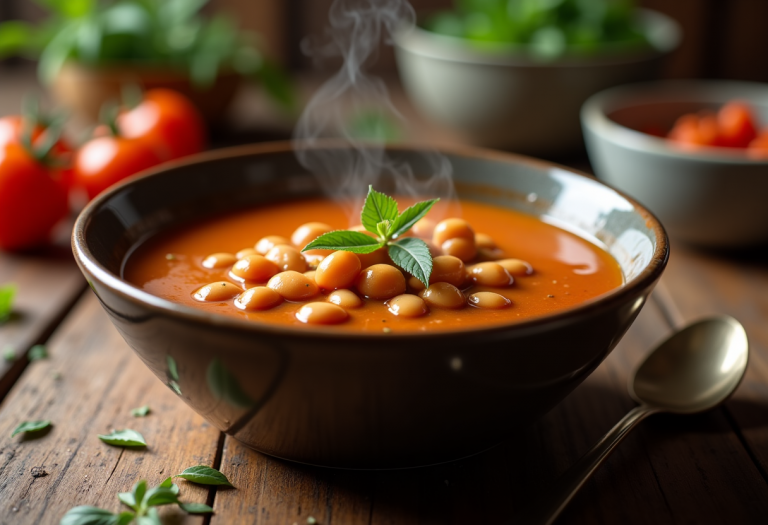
(505,97)
(712,197)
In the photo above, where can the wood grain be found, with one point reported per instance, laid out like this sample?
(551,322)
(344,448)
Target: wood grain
(101,381)
(47,286)
(672,469)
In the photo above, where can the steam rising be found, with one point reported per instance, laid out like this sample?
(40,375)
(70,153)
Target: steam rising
(357,29)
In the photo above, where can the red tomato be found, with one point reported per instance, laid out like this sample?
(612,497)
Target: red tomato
(103,161)
(736,125)
(167,119)
(695,130)
(32,199)
(11,128)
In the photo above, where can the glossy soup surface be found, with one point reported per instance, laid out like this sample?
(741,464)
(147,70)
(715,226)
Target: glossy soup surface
(567,270)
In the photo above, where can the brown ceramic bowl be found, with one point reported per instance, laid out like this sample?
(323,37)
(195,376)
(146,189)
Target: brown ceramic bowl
(327,398)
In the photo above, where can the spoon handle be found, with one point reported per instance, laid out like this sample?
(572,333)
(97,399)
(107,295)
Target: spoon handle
(550,505)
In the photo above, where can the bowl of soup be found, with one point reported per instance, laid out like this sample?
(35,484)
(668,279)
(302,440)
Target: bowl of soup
(187,261)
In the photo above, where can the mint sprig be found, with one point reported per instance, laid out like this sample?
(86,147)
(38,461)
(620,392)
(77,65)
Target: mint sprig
(381,217)
(142,501)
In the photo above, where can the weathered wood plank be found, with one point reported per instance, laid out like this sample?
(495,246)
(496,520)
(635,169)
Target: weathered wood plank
(47,286)
(101,380)
(673,469)
(736,284)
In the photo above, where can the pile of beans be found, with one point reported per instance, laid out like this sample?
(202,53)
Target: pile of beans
(328,283)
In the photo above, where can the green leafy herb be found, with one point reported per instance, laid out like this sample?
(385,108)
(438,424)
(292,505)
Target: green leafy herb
(171,34)
(9,354)
(7,294)
(143,503)
(204,475)
(196,508)
(31,426)
(141,411)
(87,515)
(124,438)
(37,352)
(381,217)
(224,386)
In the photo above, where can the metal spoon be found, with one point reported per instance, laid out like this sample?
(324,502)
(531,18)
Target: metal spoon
(694,370)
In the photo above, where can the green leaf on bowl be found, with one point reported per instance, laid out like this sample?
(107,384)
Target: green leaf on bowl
(225,387)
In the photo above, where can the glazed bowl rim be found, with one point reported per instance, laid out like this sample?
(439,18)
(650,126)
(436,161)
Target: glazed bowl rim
(436,46)
(594,116)
(127,291)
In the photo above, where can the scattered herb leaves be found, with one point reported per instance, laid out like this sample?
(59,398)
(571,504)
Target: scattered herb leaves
(37,352)
(381,217)
(141,411)
(143,503)
(204,476)
(7,294)
(9,353)
(124,438)
(31,426)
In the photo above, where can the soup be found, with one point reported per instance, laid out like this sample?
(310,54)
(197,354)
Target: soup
(508,267)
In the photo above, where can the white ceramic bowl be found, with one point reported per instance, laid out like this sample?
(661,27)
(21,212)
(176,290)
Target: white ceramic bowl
(505,98)
(711,197)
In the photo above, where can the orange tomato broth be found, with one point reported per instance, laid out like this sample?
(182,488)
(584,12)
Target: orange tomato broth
(568,269)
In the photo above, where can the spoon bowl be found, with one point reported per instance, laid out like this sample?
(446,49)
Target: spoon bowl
(694,370)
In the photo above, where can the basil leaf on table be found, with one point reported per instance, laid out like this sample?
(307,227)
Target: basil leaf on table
(31,426)
(204,476)
(123,438)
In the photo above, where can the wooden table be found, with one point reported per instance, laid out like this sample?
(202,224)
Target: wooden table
(709,468)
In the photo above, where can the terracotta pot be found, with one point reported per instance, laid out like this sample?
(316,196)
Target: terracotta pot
(83,90)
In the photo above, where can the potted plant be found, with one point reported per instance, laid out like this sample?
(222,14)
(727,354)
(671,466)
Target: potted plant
(88,50)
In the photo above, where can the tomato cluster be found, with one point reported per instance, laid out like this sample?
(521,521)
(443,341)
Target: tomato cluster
(733,126)
(38,170)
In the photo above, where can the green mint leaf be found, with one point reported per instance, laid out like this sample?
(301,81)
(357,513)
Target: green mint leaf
(412,255)
(160,496)
(383,229)
(9,354)
(124,518)
(151,518)
(349,241)
(204,476)
(411,216)
(225,387)
(196,508)
(87,515)
(127,499)
(141,411)
(377,207)
(124,438)
(31,426)
(169,484)
(7,294)
(37,352)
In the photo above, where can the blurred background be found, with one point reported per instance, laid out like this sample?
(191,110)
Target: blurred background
(721,40)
